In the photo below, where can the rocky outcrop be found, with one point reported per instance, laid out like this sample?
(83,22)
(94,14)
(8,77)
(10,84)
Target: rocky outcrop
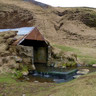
(76,76)
(62,59)
(94,65)
(83,71)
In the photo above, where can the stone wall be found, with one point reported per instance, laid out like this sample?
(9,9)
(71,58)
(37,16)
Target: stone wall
(7,62)
(13,57)
(23,55)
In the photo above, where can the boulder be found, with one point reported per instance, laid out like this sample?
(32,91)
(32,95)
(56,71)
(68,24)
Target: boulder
(83,71)
(23,94)
(33,67)
(36,81)
(76,76)
(17,59)
(25,73)
(62,59)
(94,65)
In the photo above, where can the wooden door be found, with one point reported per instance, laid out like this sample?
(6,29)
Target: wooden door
(40,55)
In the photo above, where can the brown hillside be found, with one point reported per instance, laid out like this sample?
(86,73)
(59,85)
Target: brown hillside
(66,26)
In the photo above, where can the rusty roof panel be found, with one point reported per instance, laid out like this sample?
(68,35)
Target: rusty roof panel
(35,35)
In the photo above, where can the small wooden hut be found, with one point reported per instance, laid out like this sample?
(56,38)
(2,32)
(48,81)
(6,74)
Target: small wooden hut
(40,46)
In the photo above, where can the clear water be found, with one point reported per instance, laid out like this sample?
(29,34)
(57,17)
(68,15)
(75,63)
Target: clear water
(53,75)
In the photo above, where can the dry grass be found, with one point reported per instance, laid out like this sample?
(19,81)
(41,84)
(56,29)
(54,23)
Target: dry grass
(66,31)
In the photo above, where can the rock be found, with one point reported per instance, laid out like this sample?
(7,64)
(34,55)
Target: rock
(23,94)
(64,67)
(83,71)
(33,66)
(52,65)
(76,76)
(94,65)
(17,59)
(27,78)
(79,65)
(36,81)
(63,59)
(56,65)
(25,73)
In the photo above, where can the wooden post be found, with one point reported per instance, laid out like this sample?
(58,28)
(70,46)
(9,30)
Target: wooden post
(33,66)
(32,55)
(49,55)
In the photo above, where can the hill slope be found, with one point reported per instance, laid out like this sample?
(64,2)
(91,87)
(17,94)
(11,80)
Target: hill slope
(69,26)
(74,27)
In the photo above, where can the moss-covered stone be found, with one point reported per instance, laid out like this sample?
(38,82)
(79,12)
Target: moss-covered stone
(63,59)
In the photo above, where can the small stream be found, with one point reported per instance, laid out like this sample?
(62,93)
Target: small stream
(53,75)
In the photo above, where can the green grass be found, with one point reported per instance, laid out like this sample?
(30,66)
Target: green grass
(12,87)
(7,78)
(87,58)
(88,61)
(84,86)
(66,48)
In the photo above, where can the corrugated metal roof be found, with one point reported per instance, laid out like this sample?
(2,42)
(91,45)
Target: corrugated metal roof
(21,31)
(33,35)
(18,40)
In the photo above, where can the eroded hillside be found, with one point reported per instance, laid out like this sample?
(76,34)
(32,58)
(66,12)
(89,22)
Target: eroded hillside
(74,27)
(65,26)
